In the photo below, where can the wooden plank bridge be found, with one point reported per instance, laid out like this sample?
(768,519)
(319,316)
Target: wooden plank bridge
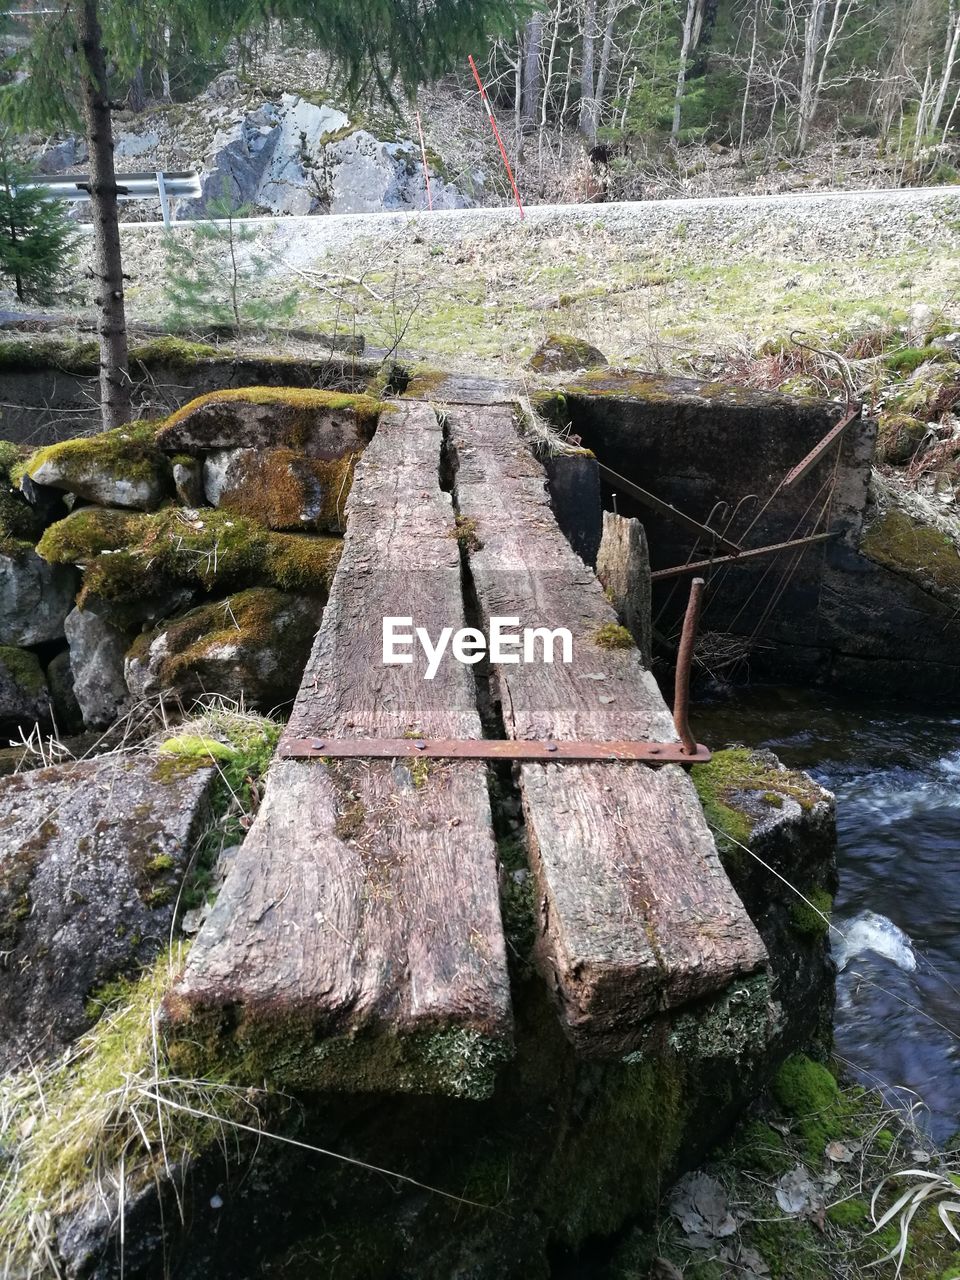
(362,910)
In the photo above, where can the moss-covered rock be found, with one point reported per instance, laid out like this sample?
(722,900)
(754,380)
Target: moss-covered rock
(323,424)
(560,352)
(282,487)
(919,551)
(119,468)
(18,519)
(899,437)
(24,698)
(27,355)
(251,648)
(137,558)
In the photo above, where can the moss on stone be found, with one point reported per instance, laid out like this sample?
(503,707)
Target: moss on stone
(286,1048)
(264,635)
(10,455)
(465,532)
(899,436)
(909,359)
(561,351)
(178,353)
(808,1093)
(296,408)
(279,485)
(18,520)
(83,535)
(424,382)
(125,454)
(29,355)
(612,636)
(149,554)
(23,668)
(731,774)
(919,551)
(812,919)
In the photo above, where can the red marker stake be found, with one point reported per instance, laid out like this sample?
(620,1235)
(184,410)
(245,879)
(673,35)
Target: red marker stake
(426,167)
(496,133)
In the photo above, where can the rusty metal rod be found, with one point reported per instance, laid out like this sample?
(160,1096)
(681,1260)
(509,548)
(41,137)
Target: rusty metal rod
(652,753)
(697,566)
(681,695)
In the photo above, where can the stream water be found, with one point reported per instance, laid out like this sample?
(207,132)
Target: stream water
(896,776)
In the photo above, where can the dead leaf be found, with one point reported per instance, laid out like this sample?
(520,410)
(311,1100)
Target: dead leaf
(840,1152)
(699,1203)
(797,1193)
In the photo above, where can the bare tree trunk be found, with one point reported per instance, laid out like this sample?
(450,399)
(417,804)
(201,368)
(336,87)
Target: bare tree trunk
(749,83)
(165,68)
(588,101)
(566,88)
(107,264)
(548,72)
(689,22)
(812,30)
(950,59)
(609,22)
(533,47)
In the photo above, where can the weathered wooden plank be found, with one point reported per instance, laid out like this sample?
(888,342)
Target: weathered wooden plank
(363,907)
(636,911)
(623,567)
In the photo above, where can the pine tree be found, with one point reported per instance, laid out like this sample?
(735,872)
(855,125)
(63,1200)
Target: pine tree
(213,280)
(37,242)
(61,76)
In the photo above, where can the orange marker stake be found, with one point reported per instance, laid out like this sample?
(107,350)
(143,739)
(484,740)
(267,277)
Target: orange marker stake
(496,133)
(426,167)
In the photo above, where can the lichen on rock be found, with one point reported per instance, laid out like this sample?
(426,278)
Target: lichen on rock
(35,597)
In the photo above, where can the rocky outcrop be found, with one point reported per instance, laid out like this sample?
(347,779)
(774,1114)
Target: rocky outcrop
(90,863)
(35,597)
(24,697)
(300,157)
(251,647)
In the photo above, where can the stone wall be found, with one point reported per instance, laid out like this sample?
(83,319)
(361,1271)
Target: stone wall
(846,612)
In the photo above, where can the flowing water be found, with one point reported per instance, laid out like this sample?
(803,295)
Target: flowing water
(896,776)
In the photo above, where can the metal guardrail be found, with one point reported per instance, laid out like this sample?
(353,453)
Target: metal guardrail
(131,186)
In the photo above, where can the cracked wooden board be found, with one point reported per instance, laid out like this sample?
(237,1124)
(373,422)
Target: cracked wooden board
(358,933)
(637,913)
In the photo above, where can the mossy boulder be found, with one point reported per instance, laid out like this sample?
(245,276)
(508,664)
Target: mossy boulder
(130,560)
(899,437)
(251,647)
(90,864)
(320,424)
(282,487)
(24,698)
(922,552)
(18,519)
(559,353)
(119,468)
(35,597)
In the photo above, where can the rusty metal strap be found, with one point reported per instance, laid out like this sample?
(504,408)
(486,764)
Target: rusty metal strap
(488,749)
(818,450)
